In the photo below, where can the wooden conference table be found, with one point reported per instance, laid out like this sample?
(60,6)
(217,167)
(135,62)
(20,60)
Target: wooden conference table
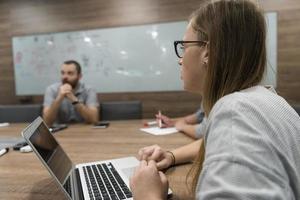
(22,175)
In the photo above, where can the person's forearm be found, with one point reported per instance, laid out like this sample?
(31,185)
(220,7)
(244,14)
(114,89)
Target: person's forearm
(191,119)
(178,119)
(88,114)
(187,153)
(189,130)
(49,114)
(186,128)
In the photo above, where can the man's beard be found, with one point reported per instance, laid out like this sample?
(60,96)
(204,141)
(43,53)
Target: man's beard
(72,83)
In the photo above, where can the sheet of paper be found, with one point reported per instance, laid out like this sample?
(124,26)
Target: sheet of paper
(159,131)
(4,124)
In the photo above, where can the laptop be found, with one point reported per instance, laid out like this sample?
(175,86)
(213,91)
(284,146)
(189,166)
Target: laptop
(105,180)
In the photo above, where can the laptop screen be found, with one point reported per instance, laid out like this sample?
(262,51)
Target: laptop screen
(51,152)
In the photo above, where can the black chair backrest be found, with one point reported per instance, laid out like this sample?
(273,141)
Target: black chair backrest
(120,110)
(297,108)
(20,113)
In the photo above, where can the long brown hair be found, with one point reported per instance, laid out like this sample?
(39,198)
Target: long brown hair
(235,32)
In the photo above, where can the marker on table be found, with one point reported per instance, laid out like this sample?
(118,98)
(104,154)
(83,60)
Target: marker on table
(3,151)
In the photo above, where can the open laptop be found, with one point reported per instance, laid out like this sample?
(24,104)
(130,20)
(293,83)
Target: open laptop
(96,180)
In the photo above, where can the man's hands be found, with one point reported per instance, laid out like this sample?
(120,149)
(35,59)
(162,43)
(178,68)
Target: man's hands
(66,91)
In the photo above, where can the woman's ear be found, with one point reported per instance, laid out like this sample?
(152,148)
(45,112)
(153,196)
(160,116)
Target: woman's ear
(205,57)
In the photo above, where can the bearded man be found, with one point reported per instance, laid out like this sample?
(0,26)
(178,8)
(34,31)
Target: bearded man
(70,100)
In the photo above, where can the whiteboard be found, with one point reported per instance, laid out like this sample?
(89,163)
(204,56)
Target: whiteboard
(270,77)
(123,59)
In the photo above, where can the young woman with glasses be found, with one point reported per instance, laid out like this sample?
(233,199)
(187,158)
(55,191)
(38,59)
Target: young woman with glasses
(251,146)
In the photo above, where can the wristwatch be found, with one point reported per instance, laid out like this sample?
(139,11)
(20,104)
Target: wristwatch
(75,102)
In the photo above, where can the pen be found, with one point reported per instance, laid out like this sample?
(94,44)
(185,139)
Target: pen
(150,123)
(160,120)
(3,151)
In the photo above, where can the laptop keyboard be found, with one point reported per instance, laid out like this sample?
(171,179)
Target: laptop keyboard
(67,186)
(104,182)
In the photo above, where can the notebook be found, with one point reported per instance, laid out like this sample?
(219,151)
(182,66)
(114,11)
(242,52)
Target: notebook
(107,180)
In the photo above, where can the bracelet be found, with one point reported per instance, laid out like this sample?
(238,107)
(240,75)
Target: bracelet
(173,158)
(75,102)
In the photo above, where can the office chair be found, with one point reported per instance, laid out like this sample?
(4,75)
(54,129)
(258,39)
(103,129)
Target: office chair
(120,110)
(19,113)
(297,109)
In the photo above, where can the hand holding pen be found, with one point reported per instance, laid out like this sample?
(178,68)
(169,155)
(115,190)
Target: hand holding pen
(158,121)
(162,121)
(165,121)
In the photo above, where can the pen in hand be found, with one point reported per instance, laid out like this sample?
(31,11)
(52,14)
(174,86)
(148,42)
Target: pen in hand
(159,120)
(151,123)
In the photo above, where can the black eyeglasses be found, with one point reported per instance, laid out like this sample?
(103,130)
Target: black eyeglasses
(179,46)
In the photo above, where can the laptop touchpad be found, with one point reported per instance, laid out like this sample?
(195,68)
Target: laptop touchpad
(128,171)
